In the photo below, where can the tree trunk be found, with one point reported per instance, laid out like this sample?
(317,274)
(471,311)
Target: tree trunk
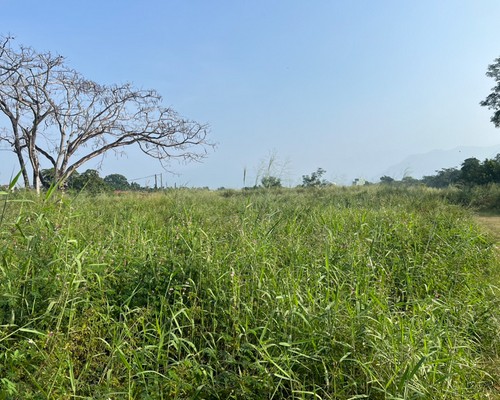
(22,164)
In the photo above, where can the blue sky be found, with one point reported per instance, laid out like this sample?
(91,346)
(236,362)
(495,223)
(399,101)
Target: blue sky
(350,86)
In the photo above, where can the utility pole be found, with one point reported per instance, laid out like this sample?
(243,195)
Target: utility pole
(156,182)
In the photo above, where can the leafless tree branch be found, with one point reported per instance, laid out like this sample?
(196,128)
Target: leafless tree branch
(80,119)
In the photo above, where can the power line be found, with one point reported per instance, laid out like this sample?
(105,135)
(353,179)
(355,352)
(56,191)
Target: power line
(155,176)
(140,179)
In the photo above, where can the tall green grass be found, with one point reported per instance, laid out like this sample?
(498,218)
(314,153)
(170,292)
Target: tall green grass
(375,293)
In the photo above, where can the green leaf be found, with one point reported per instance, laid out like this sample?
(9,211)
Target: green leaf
(14,181)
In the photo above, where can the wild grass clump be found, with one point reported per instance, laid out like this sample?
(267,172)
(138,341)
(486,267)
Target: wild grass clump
(334,293)
(483,198)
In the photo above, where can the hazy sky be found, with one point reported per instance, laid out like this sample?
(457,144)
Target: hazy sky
(350,86)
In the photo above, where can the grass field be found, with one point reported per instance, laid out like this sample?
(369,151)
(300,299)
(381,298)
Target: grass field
(335,293)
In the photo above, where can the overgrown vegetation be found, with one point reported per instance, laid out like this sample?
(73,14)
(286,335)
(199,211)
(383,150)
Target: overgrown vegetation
(334,293)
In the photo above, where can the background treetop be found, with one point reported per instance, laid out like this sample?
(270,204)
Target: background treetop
(493,99)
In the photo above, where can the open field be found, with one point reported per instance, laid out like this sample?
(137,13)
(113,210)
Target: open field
(335,293)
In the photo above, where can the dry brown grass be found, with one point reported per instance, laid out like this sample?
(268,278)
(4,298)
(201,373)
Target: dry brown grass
(491,224)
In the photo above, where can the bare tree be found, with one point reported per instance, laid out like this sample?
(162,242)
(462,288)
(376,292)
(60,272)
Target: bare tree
(24,76)
(57,115)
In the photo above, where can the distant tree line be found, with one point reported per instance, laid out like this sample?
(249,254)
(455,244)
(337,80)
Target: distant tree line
(90,181)
(472,172)
(315,179)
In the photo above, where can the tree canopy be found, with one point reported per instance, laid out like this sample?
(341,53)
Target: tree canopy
(315,179)
(493,99)
(117,182)
(58,117)
(270,182)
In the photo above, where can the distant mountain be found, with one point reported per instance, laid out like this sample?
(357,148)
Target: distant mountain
(418,165)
